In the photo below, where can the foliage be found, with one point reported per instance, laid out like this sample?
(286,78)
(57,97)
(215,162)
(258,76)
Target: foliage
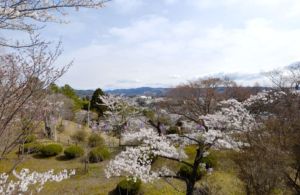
(135,161)
(51,150)
(73,151)
(210,161)
(186,172)
(32,147)
(69,92)
(129,187)
(95,140)
(79,136)
(97,103)
(98,154)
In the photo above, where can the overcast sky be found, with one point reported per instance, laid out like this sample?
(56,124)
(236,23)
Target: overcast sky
(161,43)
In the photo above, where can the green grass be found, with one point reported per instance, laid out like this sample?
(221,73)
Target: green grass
(222,181)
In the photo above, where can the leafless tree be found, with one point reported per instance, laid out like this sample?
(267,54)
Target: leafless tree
(286,78)
(195,99)
(24,78)
(271,159)
(28,16)
(27,66)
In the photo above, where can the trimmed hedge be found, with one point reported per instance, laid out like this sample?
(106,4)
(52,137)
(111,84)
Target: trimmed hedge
(129,187)
(95,140)
(31,148)
(73,152)
(98,154)
(51,150)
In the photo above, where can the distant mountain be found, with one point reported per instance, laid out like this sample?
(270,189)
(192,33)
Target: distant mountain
(149,91)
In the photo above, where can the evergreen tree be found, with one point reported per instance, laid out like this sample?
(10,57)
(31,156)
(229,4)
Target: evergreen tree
(96,102)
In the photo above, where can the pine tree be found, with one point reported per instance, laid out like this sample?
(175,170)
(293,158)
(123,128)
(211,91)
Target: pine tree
(96,102)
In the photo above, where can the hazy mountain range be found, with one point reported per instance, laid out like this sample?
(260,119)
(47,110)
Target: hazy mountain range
(148,91)
(128,92)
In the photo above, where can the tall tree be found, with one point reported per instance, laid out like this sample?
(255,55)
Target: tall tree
(97,103)
(28,65)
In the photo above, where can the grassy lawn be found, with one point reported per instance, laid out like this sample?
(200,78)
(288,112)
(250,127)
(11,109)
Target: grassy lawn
(222,181)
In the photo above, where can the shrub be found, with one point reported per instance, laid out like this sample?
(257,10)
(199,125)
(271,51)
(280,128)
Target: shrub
(73,152)
(51,150)
(129,187)
(95,140)
(32,147)
(98,154)
(210,161)
(186,172)
(30,138)
(79,136)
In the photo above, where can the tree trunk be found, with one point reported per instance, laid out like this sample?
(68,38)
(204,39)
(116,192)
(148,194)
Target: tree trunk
(47,128)
(190,187)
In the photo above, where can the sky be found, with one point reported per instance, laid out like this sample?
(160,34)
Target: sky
(162,43)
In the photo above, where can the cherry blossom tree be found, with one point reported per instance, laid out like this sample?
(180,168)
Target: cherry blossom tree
(24,80)
(29,16)
(136,162)
(119,112)
(29,182)
(28,65)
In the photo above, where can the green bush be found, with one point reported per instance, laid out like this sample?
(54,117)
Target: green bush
(73,152)
(186,172)
(98,154)
(79,136)
(32,147)
(210,161)
(95,140)
(30,139)
(129,187)
(51,150)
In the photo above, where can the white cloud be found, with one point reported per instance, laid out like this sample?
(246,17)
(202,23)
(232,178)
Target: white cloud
(155,48)
(160,49)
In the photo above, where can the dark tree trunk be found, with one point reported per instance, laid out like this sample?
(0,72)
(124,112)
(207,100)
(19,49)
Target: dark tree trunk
(156,126)
(190,184)
(190,187)
(47,128)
